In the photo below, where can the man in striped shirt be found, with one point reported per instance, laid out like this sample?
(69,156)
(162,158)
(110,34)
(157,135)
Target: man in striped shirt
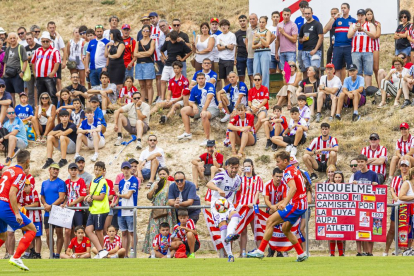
(404,147)
(45,64)
(377,157)
(324,148)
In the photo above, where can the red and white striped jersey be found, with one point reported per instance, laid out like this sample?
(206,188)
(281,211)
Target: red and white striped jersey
(247,121)
(74,190)
(156,33)
(396,185)
(275,193)
(108,245)
(404,146)
(181,234)
(318,143)
(361,42)
(162,242)
(31,180)
(208,196)
(45,60)
(27,199)
(249,187)
(376,42)
(380,152)
(299,200)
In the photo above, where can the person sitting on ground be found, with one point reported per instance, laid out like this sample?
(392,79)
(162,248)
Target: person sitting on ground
(287,94)
(207,164)
(79,247)
(241,131)
(231,96)
(328,92)
(126,93)
(304,110)
(90,134)
(404,148)
(321,152)
(382,73)
(106,92)
(98,113)
(274,124)
(78,114)
(112,244)
(150,160)
(162,242)
(65,102)
(62,137)
(24,111)
(210,75)
(309,88)
(136,122)
(203,104)
(76,89)
(177,94)
(185,231)
(295,135)
(377,157)
(44,117)
(393,85)
(6,100)
(353,93)
(16,138)
(258,100)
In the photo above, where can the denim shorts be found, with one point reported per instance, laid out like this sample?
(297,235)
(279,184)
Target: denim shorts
(286,57)
(250,66)
(308,61)
(406,51)
(160,67)
(146,173)
(241,66)
(144,71)
(130,72)
(273,62)
(15,84)
(364,62)
(126,223)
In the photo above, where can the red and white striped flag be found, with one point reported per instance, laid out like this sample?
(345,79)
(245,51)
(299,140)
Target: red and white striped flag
(214,231)
(246,216)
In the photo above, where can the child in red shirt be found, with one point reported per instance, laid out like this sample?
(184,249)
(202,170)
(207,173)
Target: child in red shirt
(79,247)
(185,232)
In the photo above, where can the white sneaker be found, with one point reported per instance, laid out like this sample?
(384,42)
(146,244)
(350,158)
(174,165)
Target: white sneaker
(103,254)
(118,141)
(94,157)
(139,145)
(77,155)
(293,151)
(19,263)
(185,136)
(288,148)
(285,254)
(159,100)
(384,254)
(225,118)
(204,143)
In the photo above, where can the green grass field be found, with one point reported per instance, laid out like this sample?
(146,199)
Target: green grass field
(267,266)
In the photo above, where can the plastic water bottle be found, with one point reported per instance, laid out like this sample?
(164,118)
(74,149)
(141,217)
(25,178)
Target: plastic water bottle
(244,253)
(152,253)
(168,253)
(256,208)
(180,196)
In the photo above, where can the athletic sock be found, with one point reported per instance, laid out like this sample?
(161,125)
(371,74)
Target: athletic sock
(227,246)
(268,140)
(225,112)
(263,245)
(120,134)
(104,112)
(139,139)
(24,243)
(340,248)
(234,221)
(332,247)
(356,112)
(298,248)
(1,242)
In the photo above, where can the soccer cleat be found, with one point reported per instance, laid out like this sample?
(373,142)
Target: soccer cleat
(163,119)
(185,136)
(225,118)
(231,259)
(191,256)
(288,148)
(355,117)
(62,163)
(318,117)
(19,263)
(279,254)
(293,151)
(139,145)
(7,256)
(302,258)
(255,254)
(94,157)
(274,147)
(231,237)
(118,141)
(313,176)
(49,162)
(268,144)
(204,143)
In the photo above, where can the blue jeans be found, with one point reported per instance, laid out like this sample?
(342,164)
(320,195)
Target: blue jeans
(94,76)
(302,68)
(184,71)
(273,62)
(285,57)
(241,66)
(308,61)
(250,66)
(261,63)
(130,72)
(406,51)
(364,62)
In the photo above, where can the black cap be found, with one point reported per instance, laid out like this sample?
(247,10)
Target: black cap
(79,158)
(361,11)
(374,135)
(73,165)
(352,67)
(94,99)
(211,143)
(132,160)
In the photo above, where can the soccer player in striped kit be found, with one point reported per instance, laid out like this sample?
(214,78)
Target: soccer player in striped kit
(293,206)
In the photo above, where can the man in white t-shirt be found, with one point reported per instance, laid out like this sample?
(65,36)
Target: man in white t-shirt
(227,47)
(150,160)
(274,63)
(113,23)
(329,90)
(57,42)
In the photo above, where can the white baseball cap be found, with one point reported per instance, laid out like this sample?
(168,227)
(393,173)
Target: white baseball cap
(46,35)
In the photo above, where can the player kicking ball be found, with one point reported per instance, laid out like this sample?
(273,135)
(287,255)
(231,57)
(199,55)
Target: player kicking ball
(11,185)
(291,208)
(223,189)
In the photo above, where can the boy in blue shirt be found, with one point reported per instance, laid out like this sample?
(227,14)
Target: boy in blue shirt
(98,114)
(17,135)
(24,111)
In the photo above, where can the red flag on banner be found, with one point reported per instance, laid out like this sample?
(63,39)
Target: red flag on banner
(213,230)
(403,225)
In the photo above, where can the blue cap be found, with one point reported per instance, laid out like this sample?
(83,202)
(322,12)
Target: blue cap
(153,14)
(125,164)
(2,82)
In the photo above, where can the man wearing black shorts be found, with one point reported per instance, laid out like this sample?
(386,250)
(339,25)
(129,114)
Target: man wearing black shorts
(226,44)
(322,152)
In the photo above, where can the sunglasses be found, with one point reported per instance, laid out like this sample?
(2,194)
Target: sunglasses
(152,140)
(99,26)
(82,33)
(145,31)
(373,139)
(39,32)
(136,98)
(11,113)
(45,98)
(403,16)
(294,66)
(257,79)
(20,33)
(179,180)
(45,41)
(176,25)
(2,86)
(353,165)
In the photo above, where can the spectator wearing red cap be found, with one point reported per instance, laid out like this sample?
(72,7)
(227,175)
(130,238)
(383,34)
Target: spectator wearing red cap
(215,32)
(404,147)
(329,89)
(130,43)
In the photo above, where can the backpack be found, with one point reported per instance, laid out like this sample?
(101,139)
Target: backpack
(181,252)
(4,132)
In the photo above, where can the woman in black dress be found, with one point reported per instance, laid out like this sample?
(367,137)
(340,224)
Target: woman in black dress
(114,51)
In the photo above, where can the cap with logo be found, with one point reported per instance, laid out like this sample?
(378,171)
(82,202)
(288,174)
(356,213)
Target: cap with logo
(405,162)
(352,67)
(22,94)
(211,143)
(404,125)
(361,11)
(125,164)
(374,135)
(125,26)
(214,19)
(330,65)
(293,160)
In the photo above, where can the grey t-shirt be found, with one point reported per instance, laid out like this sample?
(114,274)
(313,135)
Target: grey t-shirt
(11,57)
(111,86)
(249,35)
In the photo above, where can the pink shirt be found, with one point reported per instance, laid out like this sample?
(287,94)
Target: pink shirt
(285,44)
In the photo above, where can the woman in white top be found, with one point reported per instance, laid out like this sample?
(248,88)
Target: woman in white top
(288,92)
(44,118)
(397,85)
(73,54)
(406,193)
(203,46)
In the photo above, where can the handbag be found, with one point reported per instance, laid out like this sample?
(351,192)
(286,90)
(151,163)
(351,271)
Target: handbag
(27,74)
(11,72)
(207,168)
(157,69)
(193,61)
(159,213)
(71,64)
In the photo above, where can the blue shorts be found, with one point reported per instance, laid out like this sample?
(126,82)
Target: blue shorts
(340,56)
(273,62)
(291,214)
(364,63)
(231,106)
(406,51)
(7,217)
(95,76)
(250,66)
(130,72)
(160,67)
(146,173)
(272,132)
(241,66)
(392,217)
(144,71)
(126,223)
(39,228)
(254,135)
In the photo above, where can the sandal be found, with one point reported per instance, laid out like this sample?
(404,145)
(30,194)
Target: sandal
(396,104)
(381,105)
(149,184)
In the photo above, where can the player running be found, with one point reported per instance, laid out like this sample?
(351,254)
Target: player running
(11,185)
(225,184)
(292,207)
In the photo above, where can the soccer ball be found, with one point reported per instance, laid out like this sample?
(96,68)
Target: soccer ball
(222,205)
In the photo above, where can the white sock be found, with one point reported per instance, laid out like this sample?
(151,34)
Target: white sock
(234,221)
(227,246)
(104,112)
(115,256)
